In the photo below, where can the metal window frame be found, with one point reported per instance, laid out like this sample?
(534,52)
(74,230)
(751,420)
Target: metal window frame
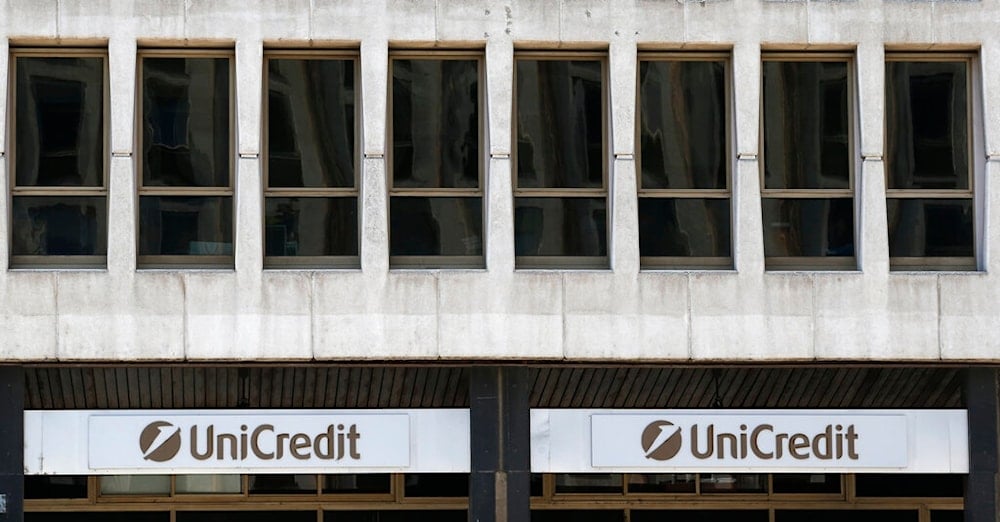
(14,190)
(689,262)
(938,263)
(569,262)
(310,262)
(185,261)
(438,261)
(845,263)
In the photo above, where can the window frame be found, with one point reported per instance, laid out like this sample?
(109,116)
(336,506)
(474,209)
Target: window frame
(566,262)
(689,262)
(309,262)
(833,263)
(14,190)
(438,261)
(938,263)
(178,260)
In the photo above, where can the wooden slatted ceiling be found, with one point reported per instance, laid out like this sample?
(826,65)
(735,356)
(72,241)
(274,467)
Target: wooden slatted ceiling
(141,387)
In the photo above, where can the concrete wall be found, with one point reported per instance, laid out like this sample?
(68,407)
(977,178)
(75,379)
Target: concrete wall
(502,313)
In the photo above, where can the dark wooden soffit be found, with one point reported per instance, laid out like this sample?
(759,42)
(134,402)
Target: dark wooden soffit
(138,387)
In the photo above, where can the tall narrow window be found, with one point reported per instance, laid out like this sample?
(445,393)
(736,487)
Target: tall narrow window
(59,148)
(311,194)
(186,169)
(560,181)
(928,167)
(684,195)
(808,188)
(435,194)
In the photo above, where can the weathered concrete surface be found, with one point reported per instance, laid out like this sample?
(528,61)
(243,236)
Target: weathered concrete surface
(621,314)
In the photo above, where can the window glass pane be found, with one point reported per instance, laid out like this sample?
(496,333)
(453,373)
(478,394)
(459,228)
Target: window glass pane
(181,225)
(698,515)
(208,484)
(135,485)
(310,123)
(930,227)
(927,125)
(246,516)
(806,483)
(59,122)
(806,125)
(435,123)
(661,483)
(906,485)
(100,516)
(947,516)
(537,484)
(436,226)
(589,483)
(850,515)
(560,124)
(59,225)
(436,485)
(366,483)
(686,227)
(396,516)
(808,227)
(266,484)
(560,227)
(731,483)
(595,515)
(55,486)
(311,226)
(185,122)
(683,124)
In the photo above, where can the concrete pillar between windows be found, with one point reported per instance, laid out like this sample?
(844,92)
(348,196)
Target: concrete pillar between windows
(982,489)
(12,443)
(499,484)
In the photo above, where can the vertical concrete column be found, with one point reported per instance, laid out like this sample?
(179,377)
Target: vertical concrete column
(12,442)
(748,228)
(248,246)
(982,490)
(987,165)
(374,200)
(871,230)
(122,195)
(4,182)
(624,201)
(499,485)
(499,201)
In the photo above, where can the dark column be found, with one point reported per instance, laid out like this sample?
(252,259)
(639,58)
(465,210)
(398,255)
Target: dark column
(499,485)
(12,442)
(981,492)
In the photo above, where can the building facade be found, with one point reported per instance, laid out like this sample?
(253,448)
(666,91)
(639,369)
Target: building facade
(501,211)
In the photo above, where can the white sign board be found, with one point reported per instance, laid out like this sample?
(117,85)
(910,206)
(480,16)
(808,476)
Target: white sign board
(689,441)
(246,441)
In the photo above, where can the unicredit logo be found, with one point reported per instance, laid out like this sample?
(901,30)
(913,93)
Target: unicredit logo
(661,440)
(160,441)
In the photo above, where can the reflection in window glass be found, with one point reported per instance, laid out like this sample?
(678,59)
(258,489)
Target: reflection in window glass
(246,516)
(310,123)
(55,486)
(311,226)
(560,124)
(595,515)
(435,123)
(684,227)
(806,483)
(59,120)
(441,226)
(561,226)
(436,485)
(135,485)
(130,516)
(806,125)
(853,515)
(927,125)
(435,515)
(589,483)
(661,483)
(947,516)
(808,227)
(930,227)
(185,122)
(733,483)
(683,124)
(208,484)
(357,483)
(180,225)
(59,225)
(907,485)
(699,515)
(268,484)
